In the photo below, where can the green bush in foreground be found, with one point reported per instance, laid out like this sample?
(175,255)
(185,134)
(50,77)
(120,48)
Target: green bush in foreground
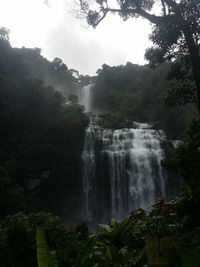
(18,240)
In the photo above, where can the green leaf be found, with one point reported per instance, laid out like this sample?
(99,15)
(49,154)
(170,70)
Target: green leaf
(43,253)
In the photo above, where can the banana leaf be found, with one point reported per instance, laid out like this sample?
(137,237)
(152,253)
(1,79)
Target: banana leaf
(44,257)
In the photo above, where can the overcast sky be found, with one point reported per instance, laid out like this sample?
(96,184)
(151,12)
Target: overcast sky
(59,33)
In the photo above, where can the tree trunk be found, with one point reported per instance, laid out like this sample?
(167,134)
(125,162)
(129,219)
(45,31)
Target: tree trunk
(196,72)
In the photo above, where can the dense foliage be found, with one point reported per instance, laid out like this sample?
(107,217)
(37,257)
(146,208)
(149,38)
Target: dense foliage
(138,93)
(117,244)
(18,239)
(185,162)
(41,134)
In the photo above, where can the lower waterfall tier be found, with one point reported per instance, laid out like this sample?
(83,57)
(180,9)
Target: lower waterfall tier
(122,170)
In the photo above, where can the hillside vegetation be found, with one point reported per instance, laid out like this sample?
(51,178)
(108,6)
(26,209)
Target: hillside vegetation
(41,134)
(138,93)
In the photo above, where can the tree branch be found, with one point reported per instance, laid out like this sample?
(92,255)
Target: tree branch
(164,7)
(174,5)
(104,15)
(152,18)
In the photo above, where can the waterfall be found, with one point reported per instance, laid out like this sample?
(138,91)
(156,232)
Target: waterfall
(121,170)
(86,97)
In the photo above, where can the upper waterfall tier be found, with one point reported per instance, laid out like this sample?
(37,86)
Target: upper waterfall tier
(86,97)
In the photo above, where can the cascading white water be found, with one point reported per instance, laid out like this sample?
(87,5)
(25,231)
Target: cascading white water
(121,170)
(147,177)
(88,170)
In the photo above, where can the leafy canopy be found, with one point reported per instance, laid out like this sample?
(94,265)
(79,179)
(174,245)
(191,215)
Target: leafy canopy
(168,28)
(176,27)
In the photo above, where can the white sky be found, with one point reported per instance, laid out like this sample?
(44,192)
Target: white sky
(58,32)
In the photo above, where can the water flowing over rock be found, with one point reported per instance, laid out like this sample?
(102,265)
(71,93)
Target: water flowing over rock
(121,170)
(86,97)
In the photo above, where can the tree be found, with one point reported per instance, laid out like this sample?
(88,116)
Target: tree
(182,89)
(176,27)
(41,135)
(73,99)
(4,34)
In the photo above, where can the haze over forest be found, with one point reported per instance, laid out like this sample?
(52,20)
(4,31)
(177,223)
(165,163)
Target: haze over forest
(79,42)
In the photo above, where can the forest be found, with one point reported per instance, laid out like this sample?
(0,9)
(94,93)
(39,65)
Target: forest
(43,135)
